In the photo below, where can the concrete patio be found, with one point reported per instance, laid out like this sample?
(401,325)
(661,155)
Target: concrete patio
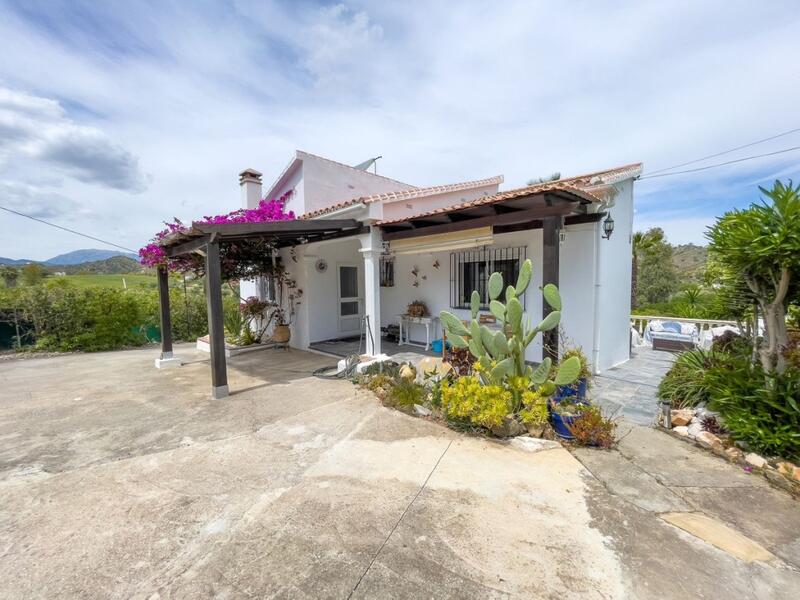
(121,481)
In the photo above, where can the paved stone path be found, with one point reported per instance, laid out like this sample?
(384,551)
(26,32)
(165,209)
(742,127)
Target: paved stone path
(629,390)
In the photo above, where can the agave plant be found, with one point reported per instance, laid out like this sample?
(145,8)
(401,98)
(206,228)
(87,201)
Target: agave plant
(500,355)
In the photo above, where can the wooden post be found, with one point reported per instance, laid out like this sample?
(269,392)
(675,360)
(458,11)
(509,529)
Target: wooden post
(166,323)
(550,251)
(216,333)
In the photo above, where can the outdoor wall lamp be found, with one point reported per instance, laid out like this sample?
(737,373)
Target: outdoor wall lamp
(608,227)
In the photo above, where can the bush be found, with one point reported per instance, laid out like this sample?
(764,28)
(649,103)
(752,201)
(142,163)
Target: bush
(685,383)
(405,393)
(591,428)
(762,411)
(484,405)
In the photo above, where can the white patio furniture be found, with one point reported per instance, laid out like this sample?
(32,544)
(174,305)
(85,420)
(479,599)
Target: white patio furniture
(407,321)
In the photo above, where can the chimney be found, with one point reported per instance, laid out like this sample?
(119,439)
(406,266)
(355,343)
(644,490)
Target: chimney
(250,182)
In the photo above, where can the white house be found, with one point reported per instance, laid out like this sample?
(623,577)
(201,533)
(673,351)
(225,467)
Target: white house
(441,242)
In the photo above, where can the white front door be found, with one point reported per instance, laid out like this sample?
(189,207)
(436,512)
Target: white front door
(349,302)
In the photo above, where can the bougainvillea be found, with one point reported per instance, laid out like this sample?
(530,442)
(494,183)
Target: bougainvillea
(232,256)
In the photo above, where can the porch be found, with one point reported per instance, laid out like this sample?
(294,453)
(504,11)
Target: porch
(437,257)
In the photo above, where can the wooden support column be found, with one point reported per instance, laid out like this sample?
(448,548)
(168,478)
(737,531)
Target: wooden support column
(216,333)
(166,322)
(550,259)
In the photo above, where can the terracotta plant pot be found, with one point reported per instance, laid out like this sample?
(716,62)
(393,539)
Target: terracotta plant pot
(281,334)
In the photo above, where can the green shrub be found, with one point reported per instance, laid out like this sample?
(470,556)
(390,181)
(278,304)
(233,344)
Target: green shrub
(405,393)
(591,428)
(766,416)
(484,405)
(685,383)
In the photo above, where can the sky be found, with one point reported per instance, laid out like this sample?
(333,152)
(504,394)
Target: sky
(117,116)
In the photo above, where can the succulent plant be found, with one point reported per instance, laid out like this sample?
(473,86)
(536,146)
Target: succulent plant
(500,356)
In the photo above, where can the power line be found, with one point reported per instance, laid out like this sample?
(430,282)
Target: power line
(67,229)
(697,160)
(722,164)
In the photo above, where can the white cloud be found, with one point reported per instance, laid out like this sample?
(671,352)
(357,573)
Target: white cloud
(37,130)
(199,91)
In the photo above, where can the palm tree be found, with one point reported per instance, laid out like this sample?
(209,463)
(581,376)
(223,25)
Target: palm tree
(642,242)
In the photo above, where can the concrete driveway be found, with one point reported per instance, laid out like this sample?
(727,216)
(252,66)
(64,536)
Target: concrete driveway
(121,481)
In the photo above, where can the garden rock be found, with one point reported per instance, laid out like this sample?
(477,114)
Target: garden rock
(536,431)
(695,429)
(789,470)
(707,438)
(755,460)
(681,430)
(508,428)
(407,372)
(422,411)
(734,454)
(532,444)
(681,417)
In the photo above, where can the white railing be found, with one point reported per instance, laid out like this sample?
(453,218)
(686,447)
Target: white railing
(639,322)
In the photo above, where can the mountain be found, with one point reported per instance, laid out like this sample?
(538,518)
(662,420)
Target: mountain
(113,265)
(77,257)
(690,260)
(17,262)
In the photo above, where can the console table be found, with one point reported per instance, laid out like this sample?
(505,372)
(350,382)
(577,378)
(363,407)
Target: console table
(406,322)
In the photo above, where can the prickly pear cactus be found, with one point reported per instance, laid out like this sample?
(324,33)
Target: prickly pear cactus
(499,355)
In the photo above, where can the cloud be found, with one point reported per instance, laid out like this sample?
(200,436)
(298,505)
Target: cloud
(197,91)
(38,129)
(36,201)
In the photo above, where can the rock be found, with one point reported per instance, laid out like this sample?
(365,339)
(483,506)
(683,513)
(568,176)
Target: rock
(422,411)
(532,444)
(407,372)
(789,470)
(743,445)
(755,460)
(536,431)
(681,430)
(681,417)
(694,430)
(432,367)
(734,454)
(510,427)
(706,438)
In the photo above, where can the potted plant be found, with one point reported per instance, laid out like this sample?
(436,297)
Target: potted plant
(576,389)
(417,309)
(563,414)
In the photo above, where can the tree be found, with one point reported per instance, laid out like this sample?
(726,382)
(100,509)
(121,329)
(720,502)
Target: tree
(32,273)
(653,276)
(761,245)
(9,275)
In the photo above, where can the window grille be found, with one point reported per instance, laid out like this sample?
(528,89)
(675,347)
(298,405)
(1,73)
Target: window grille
(470,270)
(387,271)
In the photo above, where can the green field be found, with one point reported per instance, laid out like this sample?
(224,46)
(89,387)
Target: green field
(132,280)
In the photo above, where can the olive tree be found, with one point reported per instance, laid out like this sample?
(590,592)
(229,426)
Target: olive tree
(761,244)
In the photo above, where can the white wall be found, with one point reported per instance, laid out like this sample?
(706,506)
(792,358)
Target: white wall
(615,282)
(327,183)
(576,283)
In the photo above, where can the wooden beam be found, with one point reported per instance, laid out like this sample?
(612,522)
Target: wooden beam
(571,220)
(550,265)
(298,226)
(326,236)
(216,332)
(166,321)
(186,247)
(521,216)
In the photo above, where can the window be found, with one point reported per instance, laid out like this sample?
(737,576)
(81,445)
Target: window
(471,270)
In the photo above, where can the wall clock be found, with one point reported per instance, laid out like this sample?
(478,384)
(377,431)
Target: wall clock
(322,265)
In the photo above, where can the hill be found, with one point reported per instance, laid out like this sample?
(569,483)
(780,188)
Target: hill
(113,265)
(690,261)
(16,262)
(84,256)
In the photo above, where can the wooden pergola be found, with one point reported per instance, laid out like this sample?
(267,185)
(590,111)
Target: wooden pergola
(548,206)
(206,239)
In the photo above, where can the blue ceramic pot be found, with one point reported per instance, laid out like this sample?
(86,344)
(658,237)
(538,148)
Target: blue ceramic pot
(560,423)
(568,392)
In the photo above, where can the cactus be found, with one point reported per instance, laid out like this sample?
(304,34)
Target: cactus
(501,356)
